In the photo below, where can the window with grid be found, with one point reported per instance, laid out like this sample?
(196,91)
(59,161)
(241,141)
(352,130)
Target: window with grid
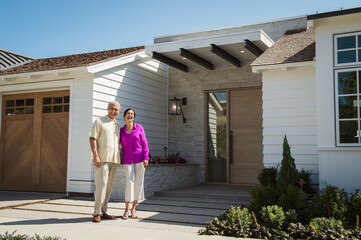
(347,49)
(348,91)
(347,69)
(55,104)
(19,107)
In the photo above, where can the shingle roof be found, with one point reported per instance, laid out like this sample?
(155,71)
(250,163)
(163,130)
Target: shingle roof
(71,61)
(294,46)
(10,59)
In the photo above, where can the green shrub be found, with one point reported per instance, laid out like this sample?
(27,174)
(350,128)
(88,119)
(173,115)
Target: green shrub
(12,236)
(327,228)
(291,217)
(354,206)
(235,222)
(306,177)
(294,198)
(273,216)
(288,174)
(268,176)
(333,202)
(262,196)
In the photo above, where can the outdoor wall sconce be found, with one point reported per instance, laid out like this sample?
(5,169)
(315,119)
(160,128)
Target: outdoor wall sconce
(175,107)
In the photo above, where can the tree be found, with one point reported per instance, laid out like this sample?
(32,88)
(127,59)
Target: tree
(288,174)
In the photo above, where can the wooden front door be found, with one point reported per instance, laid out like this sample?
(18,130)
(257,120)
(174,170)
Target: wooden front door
(34,141)
(245,139)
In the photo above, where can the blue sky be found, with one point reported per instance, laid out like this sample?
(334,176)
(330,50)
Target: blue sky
(49,28)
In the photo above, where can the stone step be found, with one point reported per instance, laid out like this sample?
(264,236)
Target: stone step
(204,197)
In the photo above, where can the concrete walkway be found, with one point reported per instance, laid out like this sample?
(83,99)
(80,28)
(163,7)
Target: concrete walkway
(162,217)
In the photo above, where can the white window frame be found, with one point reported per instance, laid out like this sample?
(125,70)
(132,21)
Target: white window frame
(335,50)
(358,76)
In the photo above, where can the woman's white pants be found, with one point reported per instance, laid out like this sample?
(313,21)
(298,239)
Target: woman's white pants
(134,178)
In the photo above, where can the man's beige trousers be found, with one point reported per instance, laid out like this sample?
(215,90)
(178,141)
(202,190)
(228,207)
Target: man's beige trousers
(104,178)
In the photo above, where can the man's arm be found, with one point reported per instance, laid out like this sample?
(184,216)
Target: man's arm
(93,147)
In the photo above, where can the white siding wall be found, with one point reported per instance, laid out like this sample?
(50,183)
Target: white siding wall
(339,166)
(289,108)
(141,85)
(80,177)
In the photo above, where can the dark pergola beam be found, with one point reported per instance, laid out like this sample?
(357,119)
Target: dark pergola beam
(225,55)
(170,62)
(197,59)
(252,48)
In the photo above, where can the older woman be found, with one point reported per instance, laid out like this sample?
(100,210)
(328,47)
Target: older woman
(135,154)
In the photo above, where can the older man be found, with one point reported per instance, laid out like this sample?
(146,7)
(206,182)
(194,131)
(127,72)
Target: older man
(104,144)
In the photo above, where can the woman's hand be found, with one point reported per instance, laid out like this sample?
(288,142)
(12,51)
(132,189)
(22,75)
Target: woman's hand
(145,163)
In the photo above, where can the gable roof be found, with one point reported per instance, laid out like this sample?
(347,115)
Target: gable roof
(71,61)
(294,46)
(10,59)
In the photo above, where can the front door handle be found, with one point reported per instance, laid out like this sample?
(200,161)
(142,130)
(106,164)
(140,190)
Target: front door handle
(231,147)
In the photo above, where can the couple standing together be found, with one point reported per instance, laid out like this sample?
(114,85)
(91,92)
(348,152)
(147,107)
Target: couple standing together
(106,137)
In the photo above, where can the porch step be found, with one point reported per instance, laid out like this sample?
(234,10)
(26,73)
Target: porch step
(207,193)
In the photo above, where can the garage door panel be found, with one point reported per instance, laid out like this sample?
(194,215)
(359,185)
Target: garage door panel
(54,151)
(18,152)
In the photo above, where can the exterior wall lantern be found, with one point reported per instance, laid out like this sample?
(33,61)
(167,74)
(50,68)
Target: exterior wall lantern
(175,107)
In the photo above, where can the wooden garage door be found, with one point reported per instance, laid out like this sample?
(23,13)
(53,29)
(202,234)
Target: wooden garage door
(34,141)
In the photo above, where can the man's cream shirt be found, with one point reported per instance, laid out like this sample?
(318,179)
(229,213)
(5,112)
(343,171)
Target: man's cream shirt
(106,132)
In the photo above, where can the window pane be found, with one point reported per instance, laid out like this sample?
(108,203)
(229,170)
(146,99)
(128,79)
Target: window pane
(348,132)
(359,55)
(359,41)
(29,102)
(29,110)
(10,103)
(19,111)
(47,109)
(47,100)
(66,99)
(20,102)
(346,42)
(57,100)
(58,108)
(346,56)
(347,83)
(66,108)
(347,107)
(217,137)
(10,111)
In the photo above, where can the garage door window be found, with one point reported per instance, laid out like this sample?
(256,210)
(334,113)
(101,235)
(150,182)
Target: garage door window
(56,104)
(19,106)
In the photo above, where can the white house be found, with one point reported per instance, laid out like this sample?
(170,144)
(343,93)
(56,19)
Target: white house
(48,107)
(240,89)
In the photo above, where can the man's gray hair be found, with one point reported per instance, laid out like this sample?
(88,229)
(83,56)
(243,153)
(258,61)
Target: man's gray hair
(113,103)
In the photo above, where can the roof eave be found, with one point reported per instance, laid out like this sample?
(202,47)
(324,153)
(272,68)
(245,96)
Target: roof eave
(333,13)
(282,66)
(114,62)
(48,72)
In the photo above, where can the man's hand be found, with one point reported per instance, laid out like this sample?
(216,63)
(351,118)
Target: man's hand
(96,161)
(145,163)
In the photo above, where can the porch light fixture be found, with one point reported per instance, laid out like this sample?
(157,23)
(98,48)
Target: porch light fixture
(175,107)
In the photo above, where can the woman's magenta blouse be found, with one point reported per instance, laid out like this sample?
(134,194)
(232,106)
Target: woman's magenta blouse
(134,145)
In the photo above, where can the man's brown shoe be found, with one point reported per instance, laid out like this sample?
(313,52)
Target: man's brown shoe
(106,216)
(96,219)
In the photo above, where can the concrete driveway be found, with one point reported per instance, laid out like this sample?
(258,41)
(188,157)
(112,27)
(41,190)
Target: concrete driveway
(158,218)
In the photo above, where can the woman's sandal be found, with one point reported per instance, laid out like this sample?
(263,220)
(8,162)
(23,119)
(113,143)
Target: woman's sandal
(134,214)
(125,215)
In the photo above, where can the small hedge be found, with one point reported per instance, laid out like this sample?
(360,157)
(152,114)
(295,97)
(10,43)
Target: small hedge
(12,236)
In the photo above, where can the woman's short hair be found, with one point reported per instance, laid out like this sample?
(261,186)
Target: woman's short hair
(127,110)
